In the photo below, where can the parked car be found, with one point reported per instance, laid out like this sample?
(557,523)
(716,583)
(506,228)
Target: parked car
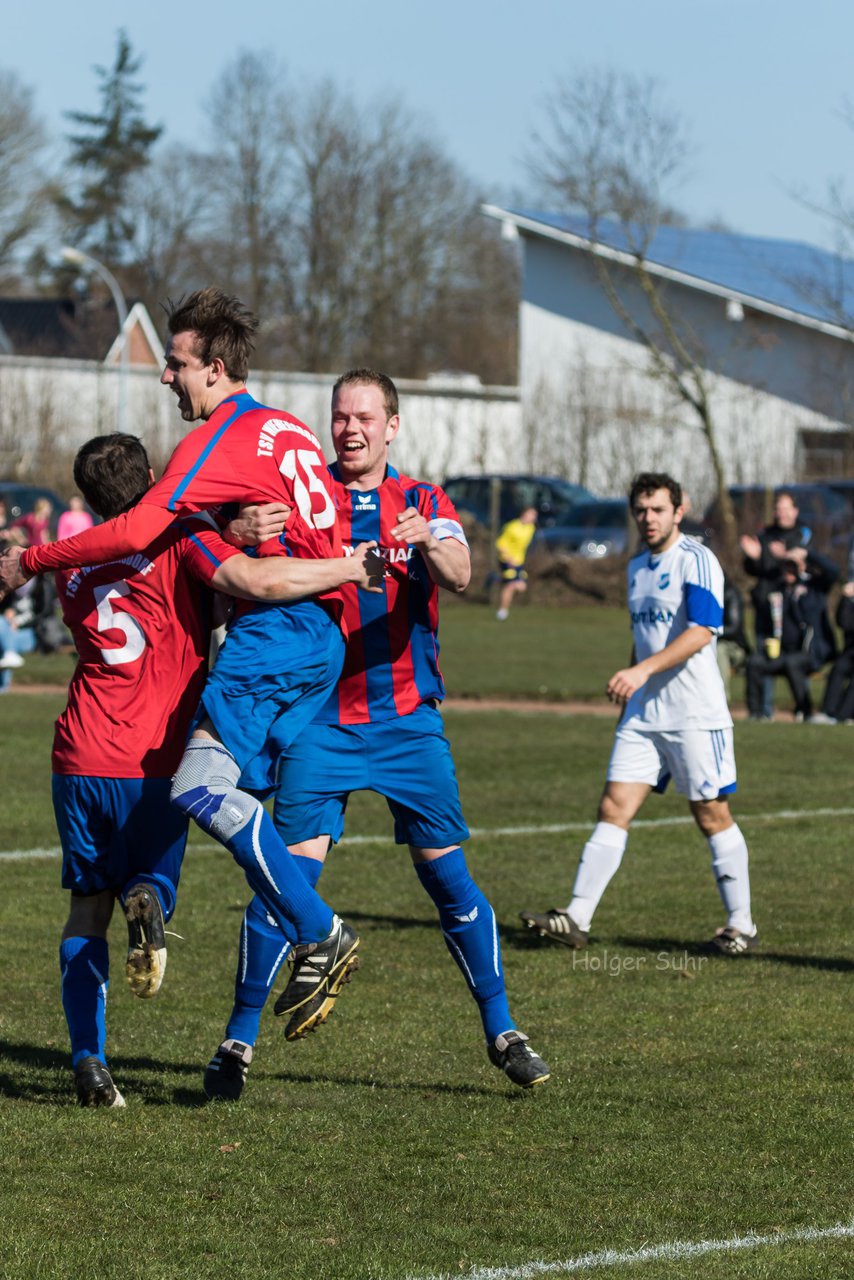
(21,498)
(824,511)
(845,489)
(593,528)
(551,496)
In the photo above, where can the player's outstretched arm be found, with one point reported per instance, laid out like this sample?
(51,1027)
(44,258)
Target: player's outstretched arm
(284,578)
(448,561)
(132,531)
(624,683)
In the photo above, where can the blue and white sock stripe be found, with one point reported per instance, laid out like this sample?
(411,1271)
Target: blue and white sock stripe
(277,964)
(244,946)
(458,955)
(256,849)
(101,980)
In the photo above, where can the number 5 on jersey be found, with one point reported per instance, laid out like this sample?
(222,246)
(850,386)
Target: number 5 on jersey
(117,620)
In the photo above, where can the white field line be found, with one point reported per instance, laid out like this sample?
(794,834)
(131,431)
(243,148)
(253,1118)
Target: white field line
(674,1251)
(493,833)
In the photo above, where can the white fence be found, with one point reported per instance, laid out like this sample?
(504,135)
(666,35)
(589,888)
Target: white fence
(50,407)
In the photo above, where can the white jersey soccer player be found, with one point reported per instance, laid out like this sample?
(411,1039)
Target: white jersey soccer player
(675,722)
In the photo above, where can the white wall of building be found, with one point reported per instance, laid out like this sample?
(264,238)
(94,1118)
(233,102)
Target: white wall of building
(588,399)
(55,406)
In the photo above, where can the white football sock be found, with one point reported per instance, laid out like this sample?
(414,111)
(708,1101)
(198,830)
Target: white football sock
(600,859)
(729,865)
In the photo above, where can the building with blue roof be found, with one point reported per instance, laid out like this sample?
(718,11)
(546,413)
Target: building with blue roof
(770,322)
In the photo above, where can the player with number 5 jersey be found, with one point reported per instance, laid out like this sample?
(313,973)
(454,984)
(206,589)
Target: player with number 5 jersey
(280,662)
(141,626)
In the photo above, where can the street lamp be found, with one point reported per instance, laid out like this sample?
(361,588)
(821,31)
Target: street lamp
(77,258)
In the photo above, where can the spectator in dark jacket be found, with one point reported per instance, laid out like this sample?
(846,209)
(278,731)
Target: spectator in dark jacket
(765,555)
(732,646)
(806,639)
(838,705)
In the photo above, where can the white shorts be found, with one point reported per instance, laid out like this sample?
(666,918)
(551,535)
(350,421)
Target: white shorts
(701,762)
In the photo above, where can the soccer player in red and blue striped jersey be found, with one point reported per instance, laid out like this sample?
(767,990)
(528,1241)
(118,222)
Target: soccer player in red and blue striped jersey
(381,730)
(244,451)
(141,626)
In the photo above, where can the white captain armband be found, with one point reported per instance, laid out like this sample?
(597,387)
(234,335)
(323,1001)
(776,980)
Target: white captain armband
(443,527)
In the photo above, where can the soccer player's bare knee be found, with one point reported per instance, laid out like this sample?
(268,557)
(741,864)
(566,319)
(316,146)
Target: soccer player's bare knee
(419,854)
(316,848)
(89,916)
(620,803)
(205,788)
(711,816)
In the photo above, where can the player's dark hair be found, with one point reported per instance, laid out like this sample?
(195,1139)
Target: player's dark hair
(370,378)
(112,473)
(651,481)
(224,328)
(786,493)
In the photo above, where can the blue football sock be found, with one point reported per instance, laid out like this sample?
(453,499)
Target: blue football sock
(471,933)
(263,949)
(205,788)
(276,878)
(84,966)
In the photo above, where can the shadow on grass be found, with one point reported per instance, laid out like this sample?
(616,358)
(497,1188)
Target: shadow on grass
(525,939)
(834,964)
(521,937)
(425,1087)
(689,946)
(47,1079)
(36,1085)
(390,922)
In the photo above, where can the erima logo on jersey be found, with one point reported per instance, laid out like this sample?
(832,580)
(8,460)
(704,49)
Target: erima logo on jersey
(472,915)
(366,502)
(647,616)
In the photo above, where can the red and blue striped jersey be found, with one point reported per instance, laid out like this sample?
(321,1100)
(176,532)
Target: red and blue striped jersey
(141,626)
(245,452)
(392,659)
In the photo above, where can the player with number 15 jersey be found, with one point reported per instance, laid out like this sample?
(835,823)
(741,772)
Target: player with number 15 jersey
(244,452)
(248,453)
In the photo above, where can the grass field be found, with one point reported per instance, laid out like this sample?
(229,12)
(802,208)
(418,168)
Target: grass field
(693,1100)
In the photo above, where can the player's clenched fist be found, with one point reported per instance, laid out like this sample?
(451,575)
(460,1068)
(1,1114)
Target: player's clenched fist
(11,576)
(369,567)
(410,526)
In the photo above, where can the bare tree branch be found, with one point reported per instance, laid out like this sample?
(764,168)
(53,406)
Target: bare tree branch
(612,151)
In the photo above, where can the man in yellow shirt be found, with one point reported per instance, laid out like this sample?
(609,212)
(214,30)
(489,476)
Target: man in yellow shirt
(512,546)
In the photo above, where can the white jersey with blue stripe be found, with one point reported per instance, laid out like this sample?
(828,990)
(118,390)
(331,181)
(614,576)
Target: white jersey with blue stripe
(668,593)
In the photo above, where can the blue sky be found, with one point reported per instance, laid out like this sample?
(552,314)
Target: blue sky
(760,83)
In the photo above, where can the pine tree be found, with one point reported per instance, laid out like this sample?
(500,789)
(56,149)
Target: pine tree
(109,148)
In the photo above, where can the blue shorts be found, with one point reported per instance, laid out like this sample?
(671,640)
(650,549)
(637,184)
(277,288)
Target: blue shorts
(115,831)
(275,671)
(407,760)
(512,572)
